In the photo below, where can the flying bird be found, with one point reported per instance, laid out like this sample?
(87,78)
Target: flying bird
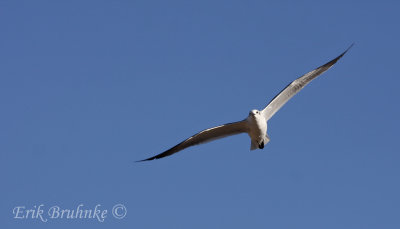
(255,125)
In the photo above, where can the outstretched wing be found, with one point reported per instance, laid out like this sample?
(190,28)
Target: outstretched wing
(294,87)
(205,136)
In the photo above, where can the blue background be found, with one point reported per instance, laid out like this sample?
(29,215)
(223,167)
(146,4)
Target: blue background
(89,87)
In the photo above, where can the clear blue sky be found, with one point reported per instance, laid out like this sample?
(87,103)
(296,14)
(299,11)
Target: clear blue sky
(88,87)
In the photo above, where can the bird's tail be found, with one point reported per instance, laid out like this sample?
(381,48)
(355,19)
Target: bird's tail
(254,145)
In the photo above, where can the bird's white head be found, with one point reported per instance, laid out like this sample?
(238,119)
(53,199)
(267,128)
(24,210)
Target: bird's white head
(254,113)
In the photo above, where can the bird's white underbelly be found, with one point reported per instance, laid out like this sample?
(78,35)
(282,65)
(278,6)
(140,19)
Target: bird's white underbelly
(258,129)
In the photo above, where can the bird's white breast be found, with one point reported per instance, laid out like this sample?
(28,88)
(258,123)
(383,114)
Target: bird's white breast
(258,127)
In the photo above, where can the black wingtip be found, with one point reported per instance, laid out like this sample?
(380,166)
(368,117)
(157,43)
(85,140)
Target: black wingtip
(341,55)
(141,160)
(348,48)
(332,62)
(148,159)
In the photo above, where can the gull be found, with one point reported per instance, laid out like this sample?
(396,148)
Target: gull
(255,125)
